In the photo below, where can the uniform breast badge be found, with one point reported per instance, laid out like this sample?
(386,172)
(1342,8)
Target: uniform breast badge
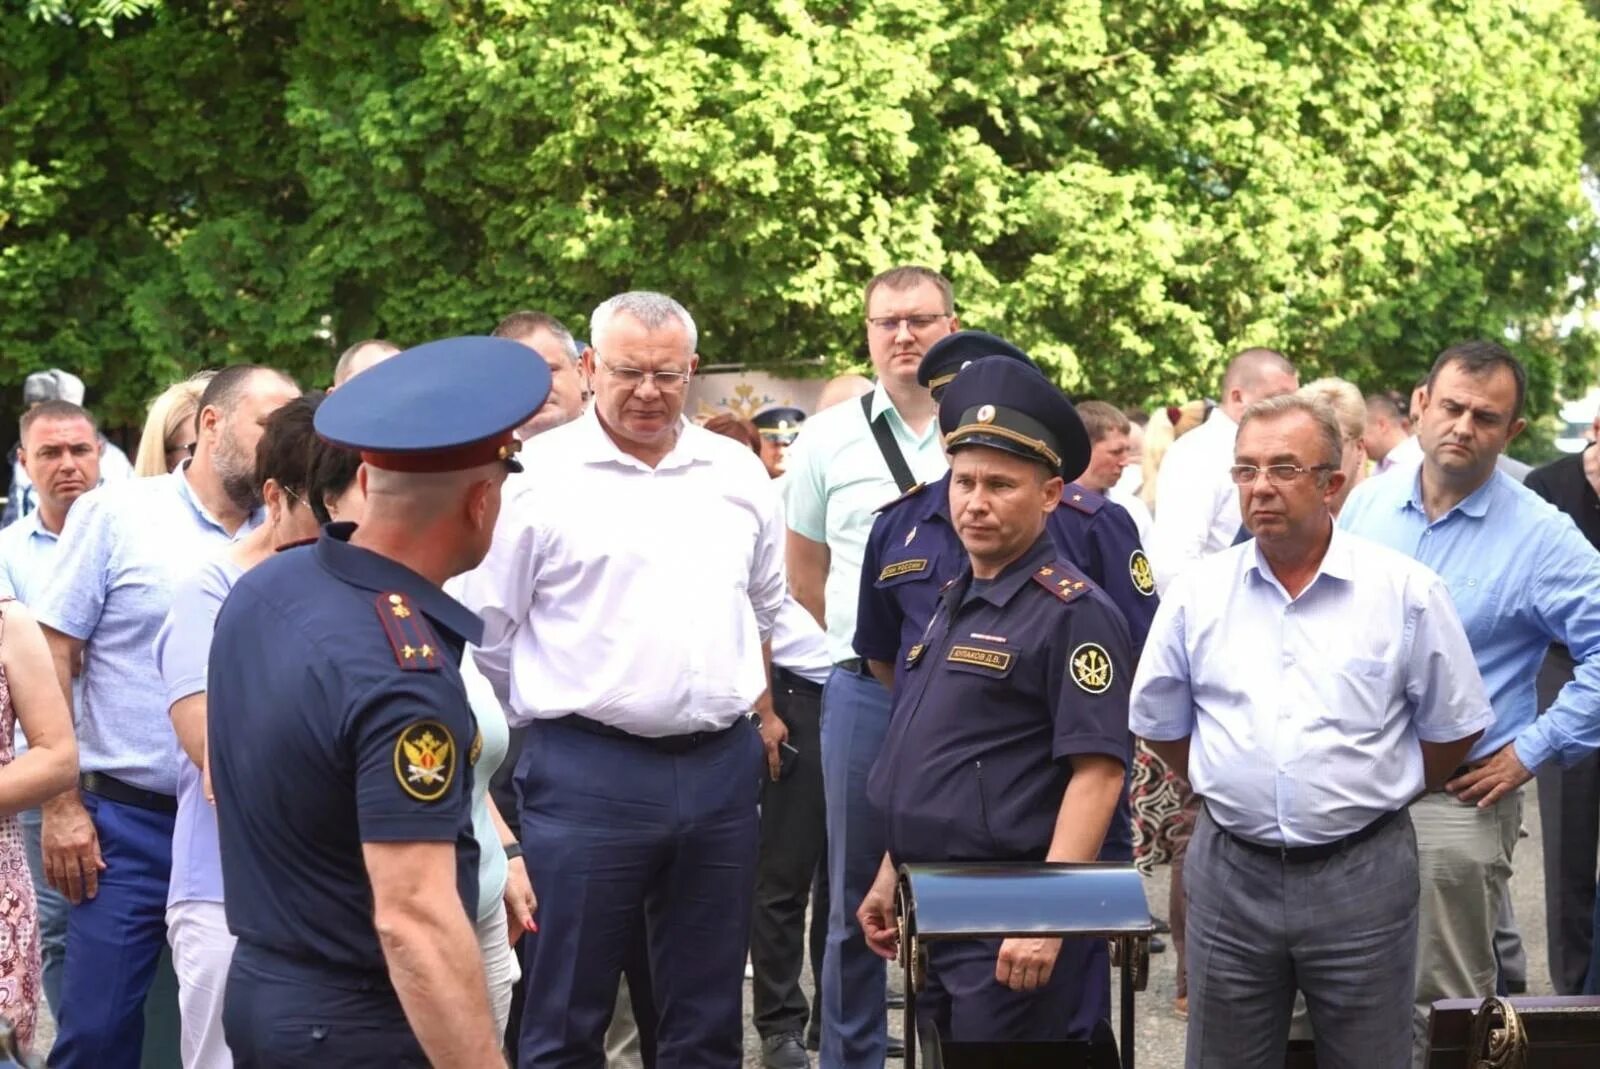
(425,760)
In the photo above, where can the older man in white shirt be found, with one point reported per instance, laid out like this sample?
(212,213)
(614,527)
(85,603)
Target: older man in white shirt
(1310,685)
(1197,510)
(628,602)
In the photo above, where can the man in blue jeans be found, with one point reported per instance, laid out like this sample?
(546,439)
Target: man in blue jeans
(60,451)
(107,844)
(847,462)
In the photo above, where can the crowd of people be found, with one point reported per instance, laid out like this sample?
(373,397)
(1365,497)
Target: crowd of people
(485,706)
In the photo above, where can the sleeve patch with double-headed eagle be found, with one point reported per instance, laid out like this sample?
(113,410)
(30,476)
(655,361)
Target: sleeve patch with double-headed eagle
(416,647)
(425,760)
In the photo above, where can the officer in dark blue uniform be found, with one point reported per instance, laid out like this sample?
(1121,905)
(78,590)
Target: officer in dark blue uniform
(1024,638)
(913,551)
(341,741)
(909,553)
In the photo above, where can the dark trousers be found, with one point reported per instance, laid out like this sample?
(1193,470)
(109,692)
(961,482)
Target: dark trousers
(282,1014)
(616,828)
(1569,822)
(968,1005)
(115,939)
(793,844)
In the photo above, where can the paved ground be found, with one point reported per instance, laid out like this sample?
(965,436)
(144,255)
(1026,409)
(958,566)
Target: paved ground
(1160,1033)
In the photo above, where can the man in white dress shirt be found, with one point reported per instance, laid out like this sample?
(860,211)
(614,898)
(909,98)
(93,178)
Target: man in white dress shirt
(628,602)
(1197,511)
(1310,685)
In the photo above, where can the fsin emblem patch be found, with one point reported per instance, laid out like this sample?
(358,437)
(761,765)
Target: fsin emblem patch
(1091,668)
(425,760)
(1144,580)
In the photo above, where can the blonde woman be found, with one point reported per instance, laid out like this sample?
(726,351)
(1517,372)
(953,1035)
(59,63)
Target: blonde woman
(1350,409)
(169,431)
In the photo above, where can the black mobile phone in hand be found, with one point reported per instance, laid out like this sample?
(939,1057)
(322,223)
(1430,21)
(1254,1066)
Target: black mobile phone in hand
(788,757)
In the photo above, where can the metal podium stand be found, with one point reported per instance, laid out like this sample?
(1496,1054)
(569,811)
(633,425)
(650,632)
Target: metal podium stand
(1000,900)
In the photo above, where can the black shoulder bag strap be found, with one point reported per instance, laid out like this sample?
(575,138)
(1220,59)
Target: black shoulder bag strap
(884,435)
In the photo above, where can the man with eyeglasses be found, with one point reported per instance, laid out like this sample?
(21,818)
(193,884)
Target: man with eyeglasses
(846,463)
(628,600)
(1309,685)
(1521,576)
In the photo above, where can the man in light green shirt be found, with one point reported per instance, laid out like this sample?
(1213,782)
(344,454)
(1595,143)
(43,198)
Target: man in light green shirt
(838,475)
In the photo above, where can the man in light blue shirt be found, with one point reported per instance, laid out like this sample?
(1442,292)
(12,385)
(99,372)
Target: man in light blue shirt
(1312,685)
(1521,576)
(840,469)
(60,450)
(108,846)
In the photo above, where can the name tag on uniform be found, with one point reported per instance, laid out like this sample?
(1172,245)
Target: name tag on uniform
(905,567)
(999,660)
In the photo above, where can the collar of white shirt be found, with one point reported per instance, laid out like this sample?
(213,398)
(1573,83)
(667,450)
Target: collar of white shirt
(1337,563)
(596,446)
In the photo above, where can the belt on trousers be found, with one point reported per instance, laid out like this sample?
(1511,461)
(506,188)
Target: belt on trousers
(668,744)
(782,677)
(856,666)
(1320,852)
(114,790)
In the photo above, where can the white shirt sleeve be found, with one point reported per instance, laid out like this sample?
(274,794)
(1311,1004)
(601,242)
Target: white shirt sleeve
(1161,706)
(500,591)
(768,585)
(1442,681)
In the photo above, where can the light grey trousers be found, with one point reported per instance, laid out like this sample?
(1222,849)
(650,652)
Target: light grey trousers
(1341,931)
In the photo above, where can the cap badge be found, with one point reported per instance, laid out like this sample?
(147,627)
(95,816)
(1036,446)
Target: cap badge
(986,414)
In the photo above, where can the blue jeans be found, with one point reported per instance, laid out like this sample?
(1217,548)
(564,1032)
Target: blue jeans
(855,719)
(52,906)
(114,940)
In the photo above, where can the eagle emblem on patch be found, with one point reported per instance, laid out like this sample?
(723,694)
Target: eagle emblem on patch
(425,760)
(1144,580)
(476,749)
(1091,668)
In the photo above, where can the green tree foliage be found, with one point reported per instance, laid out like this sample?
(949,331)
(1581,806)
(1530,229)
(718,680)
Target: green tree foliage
(1132,188)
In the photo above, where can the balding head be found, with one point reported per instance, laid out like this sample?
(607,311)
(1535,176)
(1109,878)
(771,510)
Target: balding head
(842,388)
(361,356)
(1254,375)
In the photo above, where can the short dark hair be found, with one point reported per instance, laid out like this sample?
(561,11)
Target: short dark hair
(1137,415)
(520,325)
(287,436)
(1480,358)
(62,410)
(1390,404)
(329,473)
(907,276)
(227,386)
(742,431)
(1101,419)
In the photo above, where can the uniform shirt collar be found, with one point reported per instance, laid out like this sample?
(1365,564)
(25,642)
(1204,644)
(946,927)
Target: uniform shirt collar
(938,500)
(372,571)
(1015,575)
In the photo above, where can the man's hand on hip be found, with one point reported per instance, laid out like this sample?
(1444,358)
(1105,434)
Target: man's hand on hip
(1492,780)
